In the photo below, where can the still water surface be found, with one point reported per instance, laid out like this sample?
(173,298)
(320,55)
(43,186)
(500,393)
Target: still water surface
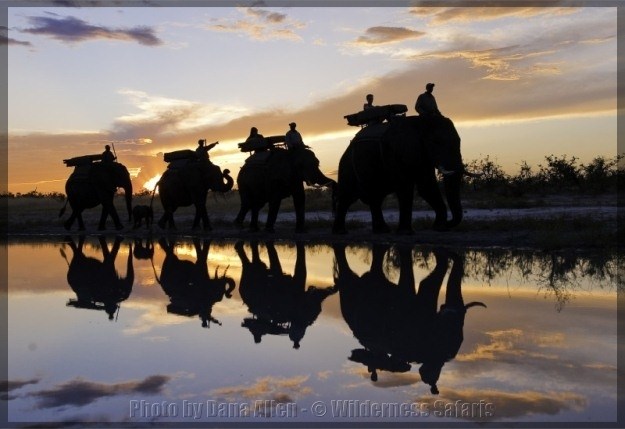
(111,330)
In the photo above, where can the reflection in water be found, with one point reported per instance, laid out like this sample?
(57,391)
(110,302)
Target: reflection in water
(191,290)
(397,325)
(279,302)
(376,314)
(96,283)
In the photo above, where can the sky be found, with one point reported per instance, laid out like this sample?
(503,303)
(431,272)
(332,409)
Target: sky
(519,83)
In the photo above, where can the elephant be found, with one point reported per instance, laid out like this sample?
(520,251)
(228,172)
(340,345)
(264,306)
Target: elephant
(397,325)
(189,185)
(96,283)
(280,303)
(141,212)
(269,177)
(93,184)
(191,290)
(393,157)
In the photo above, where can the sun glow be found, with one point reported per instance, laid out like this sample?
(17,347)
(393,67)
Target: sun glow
(150,184)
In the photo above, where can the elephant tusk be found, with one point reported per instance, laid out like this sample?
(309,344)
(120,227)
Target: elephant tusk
(476,175)
(445,172)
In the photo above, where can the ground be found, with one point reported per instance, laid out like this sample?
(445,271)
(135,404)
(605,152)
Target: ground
(546,223)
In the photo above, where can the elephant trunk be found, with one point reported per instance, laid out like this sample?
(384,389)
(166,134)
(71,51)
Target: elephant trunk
(128,197)
(453,183)
(227,183)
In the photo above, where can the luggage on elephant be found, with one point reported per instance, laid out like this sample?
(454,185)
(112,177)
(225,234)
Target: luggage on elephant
(375,114)
(260,143)
(179,154)
(79,161)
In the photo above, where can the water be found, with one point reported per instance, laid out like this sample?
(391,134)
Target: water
(329,333)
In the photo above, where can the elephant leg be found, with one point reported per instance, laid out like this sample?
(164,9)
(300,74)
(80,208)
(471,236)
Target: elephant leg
(428,190)
(378,223)
(238,221)
(272,214)
(206,224)
(115,217)
(339,216)
(405,199)
(103,216)
(170,220)
(70,221)
(254,220)
(162,222)
(81,223)
(299,201)
(196,218)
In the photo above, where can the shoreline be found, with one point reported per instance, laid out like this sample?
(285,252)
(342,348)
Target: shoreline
(538,228)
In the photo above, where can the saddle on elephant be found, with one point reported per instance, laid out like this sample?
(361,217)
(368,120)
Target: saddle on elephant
(179,159)
(82,165)
(261,143)
(376,114)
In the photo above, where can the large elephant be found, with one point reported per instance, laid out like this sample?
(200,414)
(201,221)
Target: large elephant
(397,325)
(269,177)
(96,283)
(191,290)
(189,185)
(94,184)
(279,302)
(393,157)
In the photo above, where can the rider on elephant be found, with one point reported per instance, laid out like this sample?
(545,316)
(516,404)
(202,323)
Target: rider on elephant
(201,152)
(293,139)
(107,155)
(426,103)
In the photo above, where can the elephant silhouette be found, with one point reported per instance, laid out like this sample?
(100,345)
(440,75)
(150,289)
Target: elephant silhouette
(281,174)
(93,184)
(188,184)
(189,286)
(397,325)
(96,283)
(395,157)
(280,303)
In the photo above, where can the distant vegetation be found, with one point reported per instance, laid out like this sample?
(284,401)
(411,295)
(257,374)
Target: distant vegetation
(555,176)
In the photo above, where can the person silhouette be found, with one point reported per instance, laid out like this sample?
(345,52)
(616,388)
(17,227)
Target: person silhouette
(107,155)
(293,139)
(369,103)
(426,103)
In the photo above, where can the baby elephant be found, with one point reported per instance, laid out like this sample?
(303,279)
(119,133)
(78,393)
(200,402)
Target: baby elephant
(142,212)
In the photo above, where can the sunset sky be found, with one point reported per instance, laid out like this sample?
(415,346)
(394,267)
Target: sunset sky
(519,83)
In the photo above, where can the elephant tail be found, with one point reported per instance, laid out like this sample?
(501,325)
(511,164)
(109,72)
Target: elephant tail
(154,193)
(62,212)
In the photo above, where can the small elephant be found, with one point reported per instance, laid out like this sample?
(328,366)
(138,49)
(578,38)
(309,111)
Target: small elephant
(142,212)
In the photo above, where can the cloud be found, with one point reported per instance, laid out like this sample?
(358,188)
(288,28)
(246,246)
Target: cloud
(163,115)
(79,392)
(385,35)
(446,15)
(267,388)
(73,30)
(261,25)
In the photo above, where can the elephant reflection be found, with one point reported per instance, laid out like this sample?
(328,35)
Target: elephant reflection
(398,325)
(279,302)
(191,290)
(96,283)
